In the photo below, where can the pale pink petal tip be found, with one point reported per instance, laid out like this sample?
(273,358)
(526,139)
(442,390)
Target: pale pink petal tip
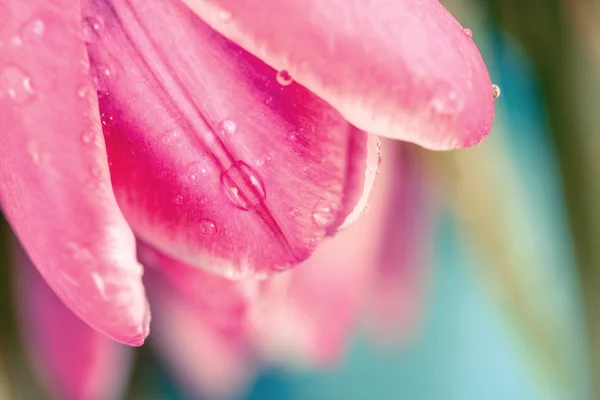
(74,361)
(402,69)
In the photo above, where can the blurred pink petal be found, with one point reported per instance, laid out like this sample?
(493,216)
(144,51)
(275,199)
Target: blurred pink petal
(54,179)
(309,313)
(400,276)
(208,358)
(213,161)
(401,69)
(74,361)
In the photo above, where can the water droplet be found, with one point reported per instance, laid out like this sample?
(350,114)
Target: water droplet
(107,120)
(365,209)
(293,136)
(83,91)
(15,83)
(172,137)
(323,213)
(207,228)
(92,27)
(103,76)
(468,33)
(294,212)
(88,136)
(225,16)
(33,31)
(284,78)
(446,100)
(196,172)
(203,202)
(496,91)
(16,41)
(243,186)
(179,199)
(227,127)
(269,100)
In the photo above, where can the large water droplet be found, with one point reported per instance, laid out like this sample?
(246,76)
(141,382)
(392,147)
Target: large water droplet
(324,213)
(243,186)
(284,78)
(207,228)
(496,91)
(92,27)
(227,127)
(15,83)
(34,31)
(468,33)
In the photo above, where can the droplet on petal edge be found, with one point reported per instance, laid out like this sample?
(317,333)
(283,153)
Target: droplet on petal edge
(496,91)
(468,32)
(284,78)
(323,213)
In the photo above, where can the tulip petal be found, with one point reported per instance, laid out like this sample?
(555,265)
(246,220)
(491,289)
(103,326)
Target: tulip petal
(54,180)
(401,69)
(207,354)
(309,313)
(74,361)
(399,282)
(213,161)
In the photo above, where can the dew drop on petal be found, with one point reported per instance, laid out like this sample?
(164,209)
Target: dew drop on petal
(227,127)
(294,212)
(83,91)
(92,27)
(323,213)
(225,16)
(172,137)
(207,228)
(88,136)
(196,172)
(446,101)
(243,186)
(15,83)
(107,120)
(179,199)
(496,91)
(203,202)
(468,33)
(33,31)
(284,78)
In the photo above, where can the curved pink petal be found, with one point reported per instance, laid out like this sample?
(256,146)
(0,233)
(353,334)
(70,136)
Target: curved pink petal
(208,359)
(74,361)
(310,312)
(54,180)
(213,161)
(400,279)
(401,69)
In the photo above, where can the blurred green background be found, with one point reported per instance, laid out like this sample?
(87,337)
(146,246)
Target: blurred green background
(514,307)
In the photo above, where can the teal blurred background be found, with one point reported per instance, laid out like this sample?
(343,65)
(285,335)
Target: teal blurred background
(513,309)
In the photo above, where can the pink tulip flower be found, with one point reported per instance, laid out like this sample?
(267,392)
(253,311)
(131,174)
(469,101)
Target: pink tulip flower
(230,137)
